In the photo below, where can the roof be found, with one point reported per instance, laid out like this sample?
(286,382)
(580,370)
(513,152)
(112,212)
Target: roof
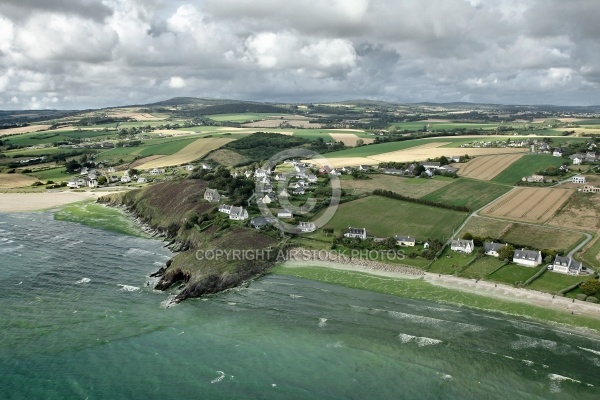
(357,231)
(491,246)
(404,239)
(568,262)
(531,255)
(462,243)
(259,222)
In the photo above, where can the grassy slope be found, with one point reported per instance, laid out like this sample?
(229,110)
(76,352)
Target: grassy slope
(467,192)
(385,217)
(527,165)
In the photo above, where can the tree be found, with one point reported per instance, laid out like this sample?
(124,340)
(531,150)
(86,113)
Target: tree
(590,287)
(506,252)
(72,166)
(359,142)
(102,180)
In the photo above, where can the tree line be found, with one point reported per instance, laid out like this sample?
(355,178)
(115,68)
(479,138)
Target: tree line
(398,196)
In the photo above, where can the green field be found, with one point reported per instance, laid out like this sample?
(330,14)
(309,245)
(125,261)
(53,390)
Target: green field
(481,268)
(552,282)
(434,126)
(527,165)
(313,134)
(512,273)
(450,262)
(53,174)
(384,217)
(44,137)
(467,192)
(419,289)
(167,148)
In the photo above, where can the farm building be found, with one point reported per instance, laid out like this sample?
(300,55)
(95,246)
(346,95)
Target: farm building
(431,165)
(578,179)
(405,241)
(393,171)
(259,222)
(527,258)
(125,179)
(566,265)
(491,248)
(358,233)
(212,195)
(463,246)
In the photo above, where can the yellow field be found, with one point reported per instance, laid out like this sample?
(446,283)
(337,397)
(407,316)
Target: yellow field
(529,204)
(23,129)
(487,167)
(189,153)
(9,181)
(419,153)
(349,139)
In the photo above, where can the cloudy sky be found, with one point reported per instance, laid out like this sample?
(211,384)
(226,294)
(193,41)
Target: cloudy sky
(72,54)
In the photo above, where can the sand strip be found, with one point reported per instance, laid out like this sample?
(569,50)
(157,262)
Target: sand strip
(18,202)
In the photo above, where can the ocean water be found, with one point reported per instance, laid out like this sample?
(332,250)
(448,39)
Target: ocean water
(77,321)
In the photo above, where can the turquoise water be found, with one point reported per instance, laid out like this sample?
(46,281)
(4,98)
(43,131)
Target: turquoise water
(64,337)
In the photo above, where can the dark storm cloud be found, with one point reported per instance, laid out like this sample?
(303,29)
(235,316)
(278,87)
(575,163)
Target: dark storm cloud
(86,8)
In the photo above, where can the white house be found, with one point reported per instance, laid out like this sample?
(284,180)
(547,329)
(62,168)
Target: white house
(578,179)
(284,194)
(260,173)
(566,265)
(527,258)
(189,167)
(463,246)
(206,167)
(269,198)
(312,178)
(307,227)
(224,208)
(577,158)
(285,214)
(92,183)
(141,179)
(431,165)
(157,171)
(558,152)
(125,179)
(76,183)
(405,241)
(491,248)
(280,177)
(358,233)
(238,214)
(212,195)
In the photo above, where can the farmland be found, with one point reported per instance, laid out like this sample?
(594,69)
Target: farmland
(189,153)
(535,237)
(512,273)
(396,217)
(527,165)
(529,204)
(487,167)
(468,193)
(407,186)
(8,181)
(349,139)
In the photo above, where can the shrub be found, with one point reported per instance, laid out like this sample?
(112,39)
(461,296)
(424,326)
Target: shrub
(581,297)
(590,287)
(592,299)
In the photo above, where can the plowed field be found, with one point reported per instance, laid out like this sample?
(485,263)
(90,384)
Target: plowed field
(487,167)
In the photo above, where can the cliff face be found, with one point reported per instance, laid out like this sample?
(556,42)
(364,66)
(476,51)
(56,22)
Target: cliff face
(213,253)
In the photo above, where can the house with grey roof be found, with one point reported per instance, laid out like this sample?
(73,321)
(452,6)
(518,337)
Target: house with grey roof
(527,258)
(462,246)
(491,248)
(307,227)
(405,241)
(238,214)
(212,195)
(566,265)
(357,233)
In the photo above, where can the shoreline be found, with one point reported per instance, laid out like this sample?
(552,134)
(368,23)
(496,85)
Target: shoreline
(25,202)
(485,289)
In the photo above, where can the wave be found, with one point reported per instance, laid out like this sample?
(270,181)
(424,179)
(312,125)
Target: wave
(322,322)
(11,249)
(528,342)
(83,280)
(419,340)
(556,380)
(219,378)
(128,288)
(169,302)
(435,321)
(590,350)
(295,296)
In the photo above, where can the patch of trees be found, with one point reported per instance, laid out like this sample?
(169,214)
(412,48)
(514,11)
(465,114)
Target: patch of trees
(398,196)
(86,121)
(590,286)
(239,189)
(261,145)
(235,108)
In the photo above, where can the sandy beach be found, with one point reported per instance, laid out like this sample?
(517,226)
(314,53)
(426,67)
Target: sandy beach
(484,288)
(18,202)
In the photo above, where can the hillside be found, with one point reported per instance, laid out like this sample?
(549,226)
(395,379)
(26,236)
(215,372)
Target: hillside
(176,210)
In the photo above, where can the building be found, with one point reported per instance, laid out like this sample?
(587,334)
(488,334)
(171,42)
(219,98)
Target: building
(307,227)
(491,248)
(590,189)
(431,165)
(405,241)
(224,208)
(578,179)
(269,198)
(558,152)
(259,222)
(393,171)
(527,258)
(357,233)
(189,167)
(566,265)
(76,183)
(238,214)
(212,195)
(125,179)
(285,214)
(141,179)
(462,246)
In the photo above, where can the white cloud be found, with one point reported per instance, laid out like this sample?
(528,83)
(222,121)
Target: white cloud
(176,82)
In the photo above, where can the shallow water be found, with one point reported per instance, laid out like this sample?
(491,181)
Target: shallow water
(78,321)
